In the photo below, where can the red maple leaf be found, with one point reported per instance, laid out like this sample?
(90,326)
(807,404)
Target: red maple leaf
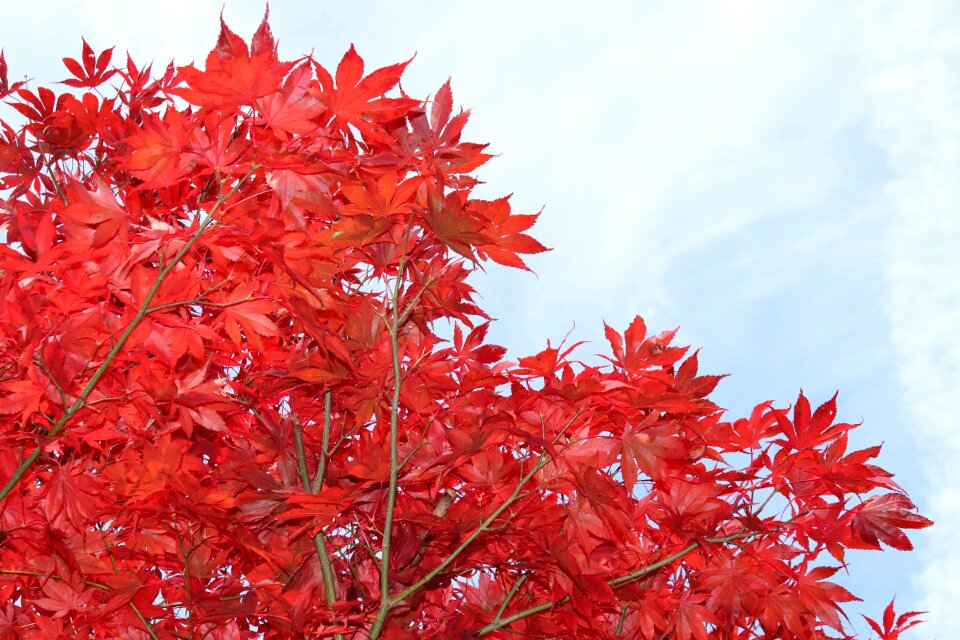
(5,87)
(893,625)
(94,70)
(358,101)
(234,74)
(882,519)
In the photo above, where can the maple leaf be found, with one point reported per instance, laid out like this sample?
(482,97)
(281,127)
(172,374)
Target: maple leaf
(326,504)
(437,138)
(635,352)
(241,310)
(62,599)
(821,597)
(93,72)
(689,383)
(504,231)
(453,225)
(293,109)
(442,108)
(882,518)
(650,449)
(357,230)
(93,213)
(5,87)
(689,507)
(161,153)
(217,144)
(73,494)
(389,196)
(358,101)
(602,494)
(547,362)
(63,124)
(162,461)
(730,580)
(692,618)
(473,348)
(29,395)
(234,74)
(806,432)
(894,625)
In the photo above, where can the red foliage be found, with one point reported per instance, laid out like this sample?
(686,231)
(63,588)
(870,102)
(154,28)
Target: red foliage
(225,411)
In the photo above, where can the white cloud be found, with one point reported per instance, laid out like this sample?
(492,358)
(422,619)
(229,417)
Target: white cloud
(690,156)
(912,55)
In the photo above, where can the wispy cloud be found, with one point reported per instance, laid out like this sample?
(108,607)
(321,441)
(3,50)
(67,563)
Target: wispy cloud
(705,164)
(650,135)
(912,55)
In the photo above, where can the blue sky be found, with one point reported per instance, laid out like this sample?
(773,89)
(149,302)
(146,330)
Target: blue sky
(778,179)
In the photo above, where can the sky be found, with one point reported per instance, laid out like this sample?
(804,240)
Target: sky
(778,179)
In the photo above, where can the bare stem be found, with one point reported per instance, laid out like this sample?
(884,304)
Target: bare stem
(324,444)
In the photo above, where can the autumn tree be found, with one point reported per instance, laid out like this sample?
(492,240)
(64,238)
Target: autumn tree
(226,409)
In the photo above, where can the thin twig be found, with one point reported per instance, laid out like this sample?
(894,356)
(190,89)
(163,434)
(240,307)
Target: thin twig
(324,444)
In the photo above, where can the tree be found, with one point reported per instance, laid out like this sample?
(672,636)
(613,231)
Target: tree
(227,411)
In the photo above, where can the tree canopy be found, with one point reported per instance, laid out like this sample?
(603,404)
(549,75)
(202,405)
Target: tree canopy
(246,392)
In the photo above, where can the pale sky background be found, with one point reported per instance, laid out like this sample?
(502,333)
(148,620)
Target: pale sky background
(779,179)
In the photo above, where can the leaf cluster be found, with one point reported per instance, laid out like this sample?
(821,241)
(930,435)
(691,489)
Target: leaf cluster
(227,411)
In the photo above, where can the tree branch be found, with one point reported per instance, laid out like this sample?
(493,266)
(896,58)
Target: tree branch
(385,601)
(319,539)
(79,403)
(484,525)
(615,583)
(510,594)
(324,444)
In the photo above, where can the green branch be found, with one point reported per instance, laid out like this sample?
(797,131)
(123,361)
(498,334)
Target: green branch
(499,623)
(385,600)
(484,525)
(319,539)
(80,402)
